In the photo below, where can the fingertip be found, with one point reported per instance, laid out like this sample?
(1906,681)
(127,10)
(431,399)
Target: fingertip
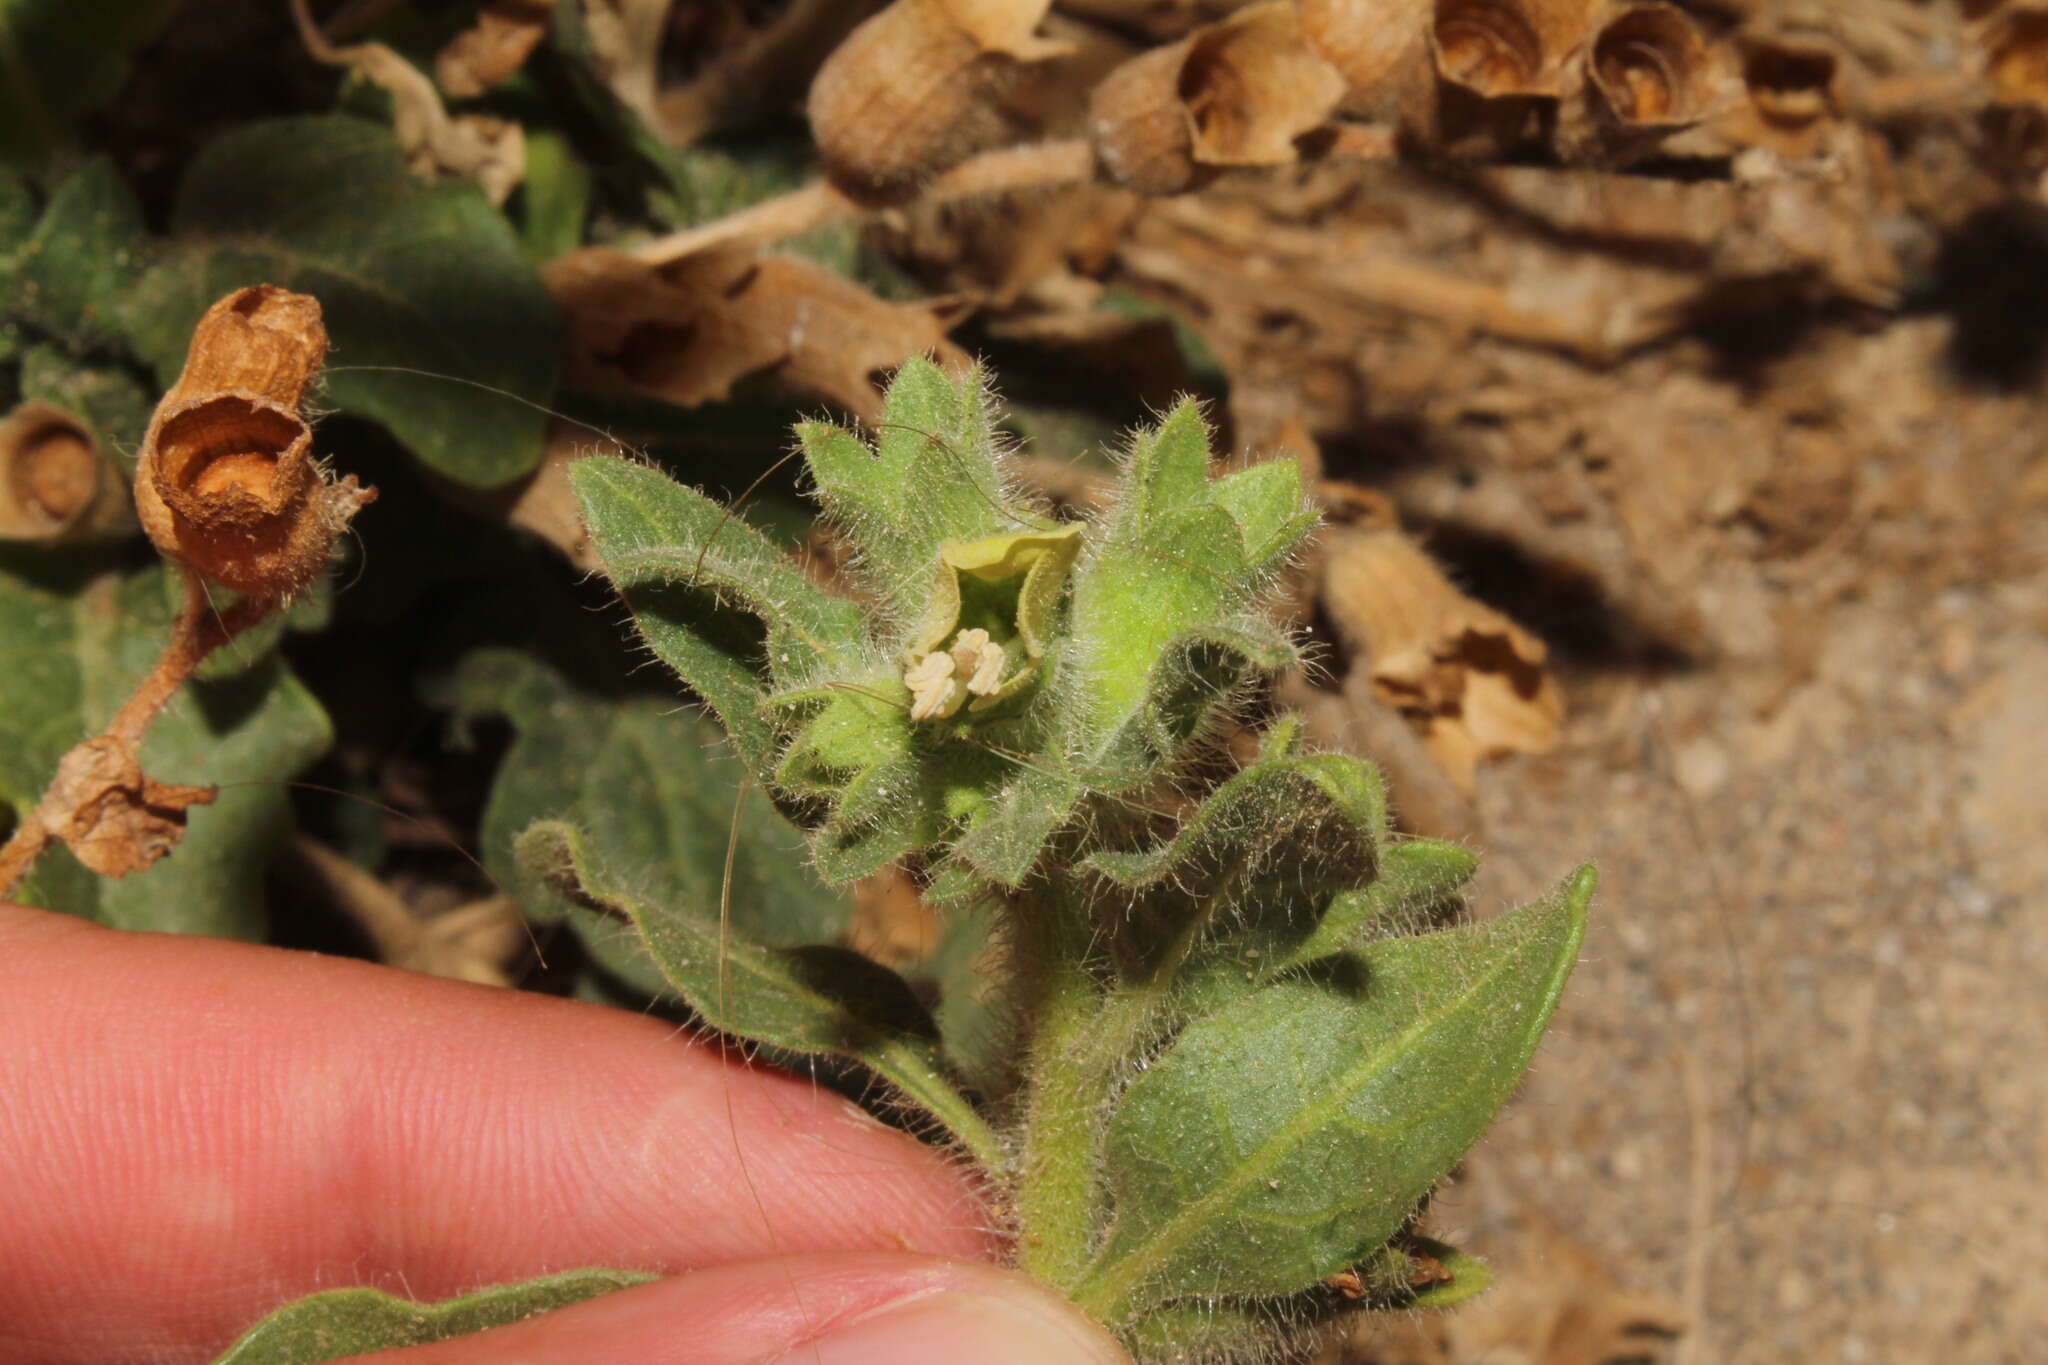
(850,1308)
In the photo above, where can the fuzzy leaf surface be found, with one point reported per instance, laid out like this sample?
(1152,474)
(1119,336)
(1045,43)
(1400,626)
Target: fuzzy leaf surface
(350,1322)
(816,999)
(72,272)
(1165,618)
(411,275)
(1415,877)
(1286,1137)
(657,791)
(78,638)
(931,476)
(685,565)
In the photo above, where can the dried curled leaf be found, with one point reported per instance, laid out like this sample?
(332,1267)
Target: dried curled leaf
(227,483)
(1467,676)
(115,818)
(686,332)
(504,35)
(1240,92)
(912,90)
(56,484)
(490,151)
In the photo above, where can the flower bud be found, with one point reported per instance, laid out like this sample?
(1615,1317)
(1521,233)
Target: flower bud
(227,483)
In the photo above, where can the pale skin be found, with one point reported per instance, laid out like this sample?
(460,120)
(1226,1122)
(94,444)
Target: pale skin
(193,1132)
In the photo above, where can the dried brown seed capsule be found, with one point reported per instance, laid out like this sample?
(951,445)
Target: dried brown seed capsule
(55,481)
(912,91)
(1791,82)
(1381,48)
(1140,128)
(2016,57)
(1501,48)
(1651,66)
(227,483)
(1239,92)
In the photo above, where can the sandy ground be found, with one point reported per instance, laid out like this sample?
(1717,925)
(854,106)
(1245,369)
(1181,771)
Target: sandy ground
(1795,1091)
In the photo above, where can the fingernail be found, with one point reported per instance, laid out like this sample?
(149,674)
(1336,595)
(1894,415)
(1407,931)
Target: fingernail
(953,1326)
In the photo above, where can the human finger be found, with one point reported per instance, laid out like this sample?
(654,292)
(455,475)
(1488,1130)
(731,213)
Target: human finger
(833,1308)
(193,1131)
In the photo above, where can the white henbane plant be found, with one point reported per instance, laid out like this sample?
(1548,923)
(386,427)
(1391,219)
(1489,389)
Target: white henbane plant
(1239,1063)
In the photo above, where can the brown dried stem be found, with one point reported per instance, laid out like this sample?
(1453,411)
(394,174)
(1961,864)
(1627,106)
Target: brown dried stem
(1040,165)
(116,819)
(228,489)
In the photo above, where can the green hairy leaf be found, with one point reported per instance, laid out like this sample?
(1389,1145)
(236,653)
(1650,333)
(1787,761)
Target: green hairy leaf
(657,790)
(423,279)
(932,476)
(685,564)
(817,999)
(1283,1139)
(350,1322)
(80,637)
(71,274)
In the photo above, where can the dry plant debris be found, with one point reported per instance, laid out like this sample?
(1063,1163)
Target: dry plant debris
(480,147)
(688,331)
(1470,679)
(228,489)
(504,35)
(56,483)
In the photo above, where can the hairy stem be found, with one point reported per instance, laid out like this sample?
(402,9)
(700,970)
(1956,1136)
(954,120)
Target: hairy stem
(1057,1196)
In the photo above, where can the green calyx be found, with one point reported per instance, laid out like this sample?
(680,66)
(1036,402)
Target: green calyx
(1014,675)
(983,638)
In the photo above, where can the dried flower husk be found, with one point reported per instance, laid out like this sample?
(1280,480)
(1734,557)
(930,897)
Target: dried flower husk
(227,483)
(1240,92)
(1381,49)
(115,818)
(1652,67)
(1501,49)
(490,151)
(497,44)
(2015,48)
(1467,677)
(1794,87)
(56,484)
(912,91)
(1140,129)
(687,331)
(1502,68)
(1652,74)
